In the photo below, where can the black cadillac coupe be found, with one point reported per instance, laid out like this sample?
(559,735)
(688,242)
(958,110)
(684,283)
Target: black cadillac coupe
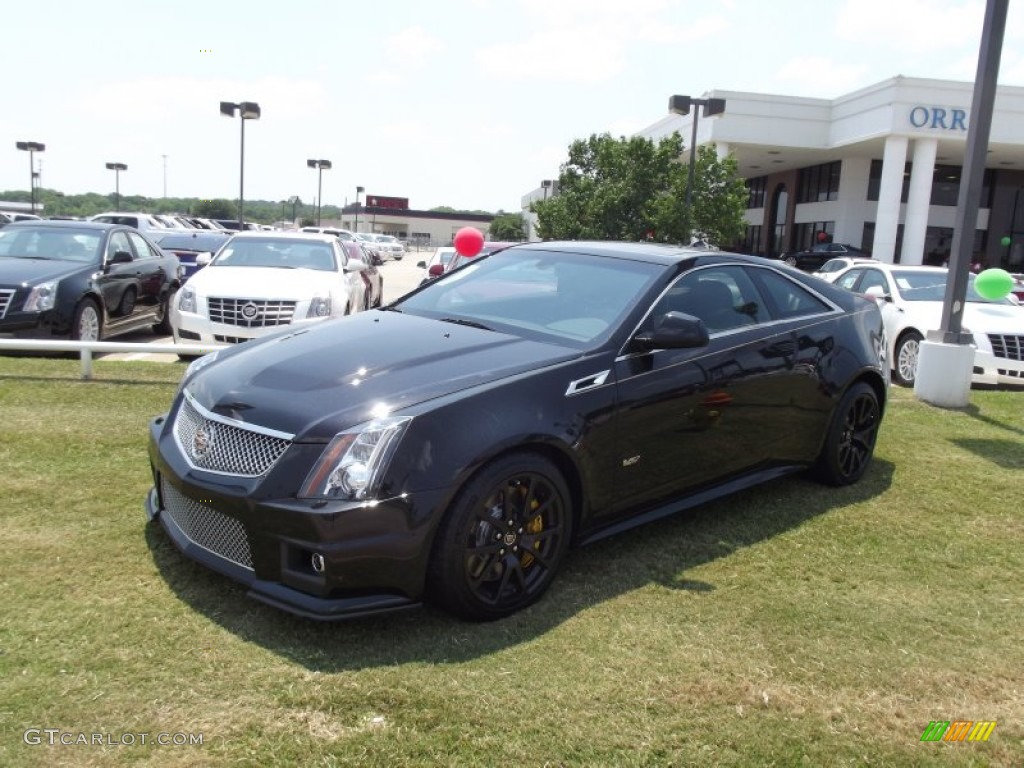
(454,445)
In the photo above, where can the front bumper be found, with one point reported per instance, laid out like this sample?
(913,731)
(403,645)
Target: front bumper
(374,556)
(188,328)
(997,371)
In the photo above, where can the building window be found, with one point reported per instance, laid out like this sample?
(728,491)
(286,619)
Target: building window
(806,235)
(945,184)
(819,183)
(755,192)
(752,241)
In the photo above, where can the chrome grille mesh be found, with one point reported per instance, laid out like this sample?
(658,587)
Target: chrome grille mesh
(1006,346)
(5,300)
(217,446)
(251,313)
(216,532)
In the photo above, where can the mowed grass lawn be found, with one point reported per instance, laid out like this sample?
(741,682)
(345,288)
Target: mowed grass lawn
(789,625)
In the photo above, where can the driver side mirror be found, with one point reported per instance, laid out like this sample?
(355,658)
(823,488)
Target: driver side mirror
(673,330)
(877,292)
(119,257)
(436,270)
(203,259)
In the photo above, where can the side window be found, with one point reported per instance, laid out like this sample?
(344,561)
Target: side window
(788,298)
(142,249)
(723,297)
(873,278)
(850,279)
(118,242)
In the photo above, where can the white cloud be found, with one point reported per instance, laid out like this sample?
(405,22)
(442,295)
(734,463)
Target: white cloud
(915,25)
(820,76)
(413,45)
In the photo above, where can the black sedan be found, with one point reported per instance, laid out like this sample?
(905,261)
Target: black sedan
(456,443)
(82,280)
(814,257)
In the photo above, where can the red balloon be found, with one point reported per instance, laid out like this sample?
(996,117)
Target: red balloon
(469,241)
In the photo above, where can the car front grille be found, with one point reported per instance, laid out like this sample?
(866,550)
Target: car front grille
(229,339)
(1007,347)
(212,530)
(1011,374)
(251,313)
(5,300)
(215,444)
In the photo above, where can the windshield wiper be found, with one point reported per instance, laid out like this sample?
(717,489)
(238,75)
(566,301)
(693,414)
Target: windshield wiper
(463,321)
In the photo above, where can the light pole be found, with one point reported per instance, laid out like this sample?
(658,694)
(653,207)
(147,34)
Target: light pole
(117,168)
(31,147)
(680,105)
(320,165)
(247,110)
(359,191)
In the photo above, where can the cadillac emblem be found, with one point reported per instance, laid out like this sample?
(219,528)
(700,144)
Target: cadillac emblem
(202,441)
(249,311)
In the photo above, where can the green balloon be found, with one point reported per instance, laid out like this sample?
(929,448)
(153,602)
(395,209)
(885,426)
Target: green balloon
(993,284)
(1005,240)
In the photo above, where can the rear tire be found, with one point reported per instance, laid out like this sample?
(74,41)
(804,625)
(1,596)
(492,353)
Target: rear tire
(850,441)
(503,539)
(163,318)
(905,360)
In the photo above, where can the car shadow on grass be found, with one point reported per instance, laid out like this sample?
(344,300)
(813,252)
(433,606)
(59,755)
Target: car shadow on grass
(659,553)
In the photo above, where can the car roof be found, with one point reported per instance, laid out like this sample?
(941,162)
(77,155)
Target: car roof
(312,237)
(101,226)
(655,253)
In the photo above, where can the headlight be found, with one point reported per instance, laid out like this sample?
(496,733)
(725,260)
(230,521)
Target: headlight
(353,462)
(320,306)
(187,300)
(195,366)
(42,297)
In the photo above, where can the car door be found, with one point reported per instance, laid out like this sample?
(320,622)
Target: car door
(151,276)
(118,280)
(691,417)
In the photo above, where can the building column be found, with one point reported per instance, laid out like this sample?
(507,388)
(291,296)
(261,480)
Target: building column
(887,214)
(915,224)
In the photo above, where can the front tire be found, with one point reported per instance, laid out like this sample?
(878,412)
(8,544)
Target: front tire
(87,325)
(907,350)
(503,539)
(850,442)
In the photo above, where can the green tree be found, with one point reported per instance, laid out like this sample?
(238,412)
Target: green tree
(719,198)
(507,226)
(633,189)
(306,221)
(215,209)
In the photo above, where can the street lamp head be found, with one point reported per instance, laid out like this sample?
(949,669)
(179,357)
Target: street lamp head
(546,183)
(311,163)
(250,110)
(30,146)
(322,164)
(117,167)
(714,107)
(227,108)
(360,190)
(679,105)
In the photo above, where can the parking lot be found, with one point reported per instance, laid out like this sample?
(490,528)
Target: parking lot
(400,277)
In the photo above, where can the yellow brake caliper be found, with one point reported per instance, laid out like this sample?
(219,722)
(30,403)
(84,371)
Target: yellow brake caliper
(535,525)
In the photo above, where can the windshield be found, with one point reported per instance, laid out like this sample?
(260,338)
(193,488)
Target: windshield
(931,286)
(189,242)
(559,296)
(281,254)
(63,244)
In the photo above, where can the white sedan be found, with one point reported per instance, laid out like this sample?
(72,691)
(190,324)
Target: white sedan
(260,281)
(911,302)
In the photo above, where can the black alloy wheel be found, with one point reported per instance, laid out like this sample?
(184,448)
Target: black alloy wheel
(163,314)
(501,544)
(850,442)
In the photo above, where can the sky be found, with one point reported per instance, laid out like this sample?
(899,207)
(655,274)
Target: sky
(462,103)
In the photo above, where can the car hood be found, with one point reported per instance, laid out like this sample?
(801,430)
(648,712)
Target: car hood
(318,380)
(259,282)
(978,317)
(14,271)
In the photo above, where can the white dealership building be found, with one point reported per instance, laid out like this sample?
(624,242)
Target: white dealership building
(878,168)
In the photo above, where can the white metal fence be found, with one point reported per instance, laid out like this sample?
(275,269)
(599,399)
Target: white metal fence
(85,349)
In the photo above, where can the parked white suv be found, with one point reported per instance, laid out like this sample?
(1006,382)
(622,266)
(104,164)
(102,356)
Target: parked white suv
(144,222)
